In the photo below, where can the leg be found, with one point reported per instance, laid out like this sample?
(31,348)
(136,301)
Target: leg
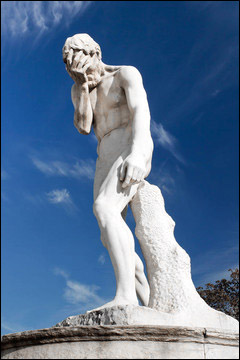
(117,237)
(141,283)
(142,286)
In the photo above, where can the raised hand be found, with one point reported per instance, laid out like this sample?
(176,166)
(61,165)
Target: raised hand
(77,64)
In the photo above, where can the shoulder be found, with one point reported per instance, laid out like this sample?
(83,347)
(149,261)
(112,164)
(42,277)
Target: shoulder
(129,74)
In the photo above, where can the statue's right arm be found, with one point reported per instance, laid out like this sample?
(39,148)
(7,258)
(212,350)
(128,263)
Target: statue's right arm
(83,115)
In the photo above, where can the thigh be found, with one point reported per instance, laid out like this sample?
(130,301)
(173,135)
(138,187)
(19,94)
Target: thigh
(99,177)
(109,187)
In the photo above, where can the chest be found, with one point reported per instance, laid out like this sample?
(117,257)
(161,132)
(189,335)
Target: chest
(107,95)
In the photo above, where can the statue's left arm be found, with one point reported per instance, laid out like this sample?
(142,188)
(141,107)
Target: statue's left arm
(138,163)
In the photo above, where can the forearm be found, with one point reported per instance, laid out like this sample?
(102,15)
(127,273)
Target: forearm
(141,136)
(83,114)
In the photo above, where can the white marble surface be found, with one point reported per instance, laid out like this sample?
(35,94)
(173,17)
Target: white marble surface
(141,315)
(123,342)
(110,350)
(115,98)
(125,350)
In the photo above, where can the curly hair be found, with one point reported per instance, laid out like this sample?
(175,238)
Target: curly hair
(81,42)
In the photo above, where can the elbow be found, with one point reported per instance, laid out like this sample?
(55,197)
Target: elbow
(83,130)
(82,124)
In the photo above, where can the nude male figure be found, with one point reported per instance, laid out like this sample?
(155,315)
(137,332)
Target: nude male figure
(112,100)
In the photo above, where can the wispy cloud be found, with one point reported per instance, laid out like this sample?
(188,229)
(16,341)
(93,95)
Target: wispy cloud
(213,276)
(102,259)
(37,17)
(59,271)
(78,170)
(62,197)
(163,138)
(166,182)
(10,327)
(214,264)
(59,196)
(83,168)
(77,293)
(169,177)
(35,199)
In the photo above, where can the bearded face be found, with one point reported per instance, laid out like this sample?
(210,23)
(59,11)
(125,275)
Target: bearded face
(95,69)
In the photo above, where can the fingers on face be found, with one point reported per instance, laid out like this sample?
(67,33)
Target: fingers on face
(78,57)
(83,61)
(69,57)
(85,67)
(74,62)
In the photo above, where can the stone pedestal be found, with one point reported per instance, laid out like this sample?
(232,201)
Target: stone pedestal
(142,315)
(121,342)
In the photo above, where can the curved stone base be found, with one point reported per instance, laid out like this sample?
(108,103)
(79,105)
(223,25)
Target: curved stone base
(121,342)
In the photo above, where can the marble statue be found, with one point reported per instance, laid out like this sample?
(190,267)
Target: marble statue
(112,100)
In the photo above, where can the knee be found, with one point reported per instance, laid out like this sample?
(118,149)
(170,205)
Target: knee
(102,210)
(139,271)
(139,267)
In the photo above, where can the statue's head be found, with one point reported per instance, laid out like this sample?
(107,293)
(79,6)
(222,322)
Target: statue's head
(85,43)
(81,42)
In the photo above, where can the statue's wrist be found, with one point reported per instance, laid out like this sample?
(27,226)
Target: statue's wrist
(83,86)
(142,146)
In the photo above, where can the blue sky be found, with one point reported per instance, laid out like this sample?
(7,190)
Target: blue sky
(53,262)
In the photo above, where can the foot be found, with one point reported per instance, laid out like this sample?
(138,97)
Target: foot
(116,302)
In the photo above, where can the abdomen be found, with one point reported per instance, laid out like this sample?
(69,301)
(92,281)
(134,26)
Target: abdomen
(114,143)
